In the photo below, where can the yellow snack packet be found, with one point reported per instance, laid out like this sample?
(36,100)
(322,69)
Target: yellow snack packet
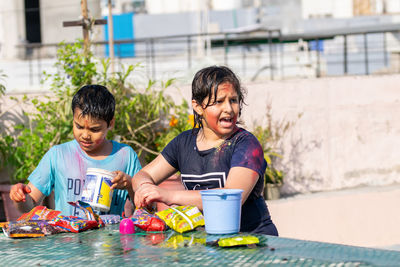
(182,218)
(237,241)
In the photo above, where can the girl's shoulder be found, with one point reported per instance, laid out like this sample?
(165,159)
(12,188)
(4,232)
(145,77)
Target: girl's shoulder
(244,138)
(191,132)
(242,133)
(188,134)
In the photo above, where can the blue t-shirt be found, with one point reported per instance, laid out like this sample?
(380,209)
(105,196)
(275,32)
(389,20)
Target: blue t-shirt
(63,168)
(209,169)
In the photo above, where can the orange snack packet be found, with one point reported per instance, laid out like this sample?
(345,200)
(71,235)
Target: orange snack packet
(39,213)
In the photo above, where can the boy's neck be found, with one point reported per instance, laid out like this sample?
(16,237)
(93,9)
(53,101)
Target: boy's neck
(102,151)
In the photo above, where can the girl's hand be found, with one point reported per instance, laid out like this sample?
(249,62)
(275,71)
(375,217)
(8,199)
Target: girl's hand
(18,192)
(121,180)
(148,193)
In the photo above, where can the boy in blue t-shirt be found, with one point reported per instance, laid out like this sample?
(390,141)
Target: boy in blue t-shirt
(63,168)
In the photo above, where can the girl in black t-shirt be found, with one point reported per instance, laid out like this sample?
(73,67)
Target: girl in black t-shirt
(216,153)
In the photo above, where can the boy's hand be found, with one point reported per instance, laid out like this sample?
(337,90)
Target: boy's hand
(18,192)
(121,181)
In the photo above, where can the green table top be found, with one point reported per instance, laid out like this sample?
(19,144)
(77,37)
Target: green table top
(108,247)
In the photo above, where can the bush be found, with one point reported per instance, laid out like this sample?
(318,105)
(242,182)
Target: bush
(140,114)
(180,121)
(3,134)
(270,137)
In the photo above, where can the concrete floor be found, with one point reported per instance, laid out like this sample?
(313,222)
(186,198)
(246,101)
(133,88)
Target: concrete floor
(367,217)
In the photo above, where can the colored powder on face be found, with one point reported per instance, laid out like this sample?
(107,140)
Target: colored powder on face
(99,141)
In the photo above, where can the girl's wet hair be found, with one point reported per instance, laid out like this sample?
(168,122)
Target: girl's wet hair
(95,101)
(205,84)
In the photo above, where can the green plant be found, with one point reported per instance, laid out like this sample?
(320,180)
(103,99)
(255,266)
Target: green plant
(272,174)
(270,137)
(3,135)
(140,113)
(181,120)
(2,79)
(140,116)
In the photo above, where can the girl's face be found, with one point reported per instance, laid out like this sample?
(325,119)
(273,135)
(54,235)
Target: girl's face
(221,116)
(90,133)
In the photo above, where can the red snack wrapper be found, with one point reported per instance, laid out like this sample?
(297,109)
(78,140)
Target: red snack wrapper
(147,221)
(155,225)
(73,224)
(39,213)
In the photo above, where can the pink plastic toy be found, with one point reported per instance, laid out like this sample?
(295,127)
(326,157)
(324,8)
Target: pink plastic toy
(126,226)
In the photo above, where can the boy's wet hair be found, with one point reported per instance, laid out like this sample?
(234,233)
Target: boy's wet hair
(205,84)
(95,101)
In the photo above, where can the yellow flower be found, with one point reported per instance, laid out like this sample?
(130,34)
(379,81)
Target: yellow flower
(191,120)
(173,122)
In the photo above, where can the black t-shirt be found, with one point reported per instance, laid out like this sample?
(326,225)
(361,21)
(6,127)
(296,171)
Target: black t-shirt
(209,169)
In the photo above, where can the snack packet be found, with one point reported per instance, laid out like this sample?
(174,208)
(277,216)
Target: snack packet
(39,213)
(73,224)
(23,229)
(235,241)
(110,219)
(147,221)
(182,218)
(37,228)
(47,228)
(87,209)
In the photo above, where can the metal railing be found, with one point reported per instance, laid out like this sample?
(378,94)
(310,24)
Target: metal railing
(264,54)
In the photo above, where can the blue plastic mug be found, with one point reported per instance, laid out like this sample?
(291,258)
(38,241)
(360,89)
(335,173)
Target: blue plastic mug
(222,209)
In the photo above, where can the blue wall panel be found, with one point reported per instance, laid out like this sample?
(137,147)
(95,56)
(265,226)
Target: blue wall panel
(123,29)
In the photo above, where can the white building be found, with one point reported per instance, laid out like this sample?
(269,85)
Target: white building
(39,21)
(309,8)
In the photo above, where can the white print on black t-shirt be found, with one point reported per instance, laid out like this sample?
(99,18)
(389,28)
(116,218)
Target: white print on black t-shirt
(204,181)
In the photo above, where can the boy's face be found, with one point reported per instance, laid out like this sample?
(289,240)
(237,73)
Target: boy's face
(90,133)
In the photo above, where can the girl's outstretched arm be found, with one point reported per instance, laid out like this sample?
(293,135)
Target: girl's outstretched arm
(148,194)
(242,178)
(145,182)
(151,175)
(238,178)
